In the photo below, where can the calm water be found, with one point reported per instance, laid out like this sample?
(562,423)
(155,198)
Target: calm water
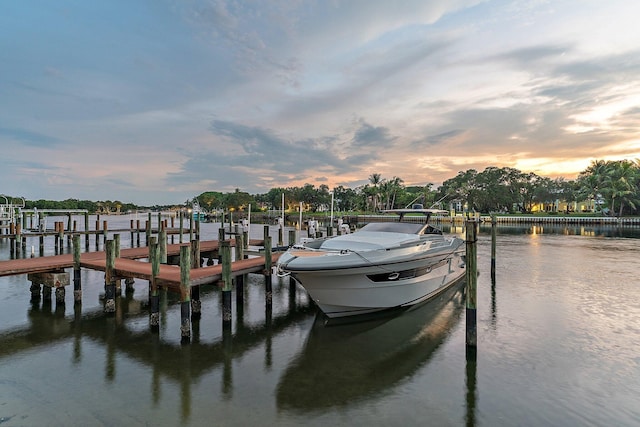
(558,345)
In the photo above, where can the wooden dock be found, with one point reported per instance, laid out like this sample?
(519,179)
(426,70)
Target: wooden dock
(48,272)
(97,261)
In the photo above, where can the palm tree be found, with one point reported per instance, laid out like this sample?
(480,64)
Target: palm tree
(621,182)
(375,179)
(393,187)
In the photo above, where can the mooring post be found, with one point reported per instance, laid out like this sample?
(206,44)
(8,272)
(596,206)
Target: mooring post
(471,288)
(239,243)
(292,281)
(138,232)
(268,292)
(69,228)
(181,225)
(239,256)
(105,229)
(109,280)
(97,233)
(162,241)
(154,294)
(149,228)
(225,254)
(77,283)
(116,248)
(18,236)
(86,230)
(196,305)
(221,237)
(493,247)
(185,293)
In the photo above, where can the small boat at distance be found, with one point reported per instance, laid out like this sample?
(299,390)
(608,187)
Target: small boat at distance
(382,266)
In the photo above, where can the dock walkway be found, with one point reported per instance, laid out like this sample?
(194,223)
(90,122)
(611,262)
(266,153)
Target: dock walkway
(126,265)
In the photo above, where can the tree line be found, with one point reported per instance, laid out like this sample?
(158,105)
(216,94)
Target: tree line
(612,186)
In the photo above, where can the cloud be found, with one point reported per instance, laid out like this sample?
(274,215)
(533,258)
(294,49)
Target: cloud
(28,138)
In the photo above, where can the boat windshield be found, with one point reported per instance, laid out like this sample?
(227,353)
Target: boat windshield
(394,227)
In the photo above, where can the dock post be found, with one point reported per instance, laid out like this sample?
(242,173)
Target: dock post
(61,235)
(77,283)
(239,256)
(221,238)
(268,291)
(162,241)
(86,230)
(41,245)
(181,225)
(185,293)
(154,294)
(19,242)
(471,288)
(110,284)
(225,253)
(69,228)
(116,248)
(131,227)
(292,281)
(493,248)
(196,304)
(137,232)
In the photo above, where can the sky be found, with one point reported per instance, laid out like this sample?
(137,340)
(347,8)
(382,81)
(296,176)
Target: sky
(156,101)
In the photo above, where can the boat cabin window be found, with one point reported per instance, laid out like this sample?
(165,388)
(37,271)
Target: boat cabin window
(394,227)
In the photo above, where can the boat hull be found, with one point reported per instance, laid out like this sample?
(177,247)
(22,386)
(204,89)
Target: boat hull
(376,287)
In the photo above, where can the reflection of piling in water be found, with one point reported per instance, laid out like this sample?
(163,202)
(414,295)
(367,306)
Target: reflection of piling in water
(471,276)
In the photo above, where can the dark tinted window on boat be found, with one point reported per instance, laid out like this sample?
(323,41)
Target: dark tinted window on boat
(393,227)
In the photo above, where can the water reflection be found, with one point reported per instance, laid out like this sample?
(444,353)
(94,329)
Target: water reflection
(120,335)
(343,364)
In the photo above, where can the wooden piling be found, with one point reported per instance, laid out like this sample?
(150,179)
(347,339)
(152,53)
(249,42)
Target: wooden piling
(77,284)
(154,293)
(185,293)
(225,254)
(86,229)
(195,290)
(268,291)
(239,256)
(493,248)
(471,288)
(110,285)
(292,237)
(162,241)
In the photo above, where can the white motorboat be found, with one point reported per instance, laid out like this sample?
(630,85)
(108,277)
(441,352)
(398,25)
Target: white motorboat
(384,265)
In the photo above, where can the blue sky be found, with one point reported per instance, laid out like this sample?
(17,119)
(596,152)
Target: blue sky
(156,101)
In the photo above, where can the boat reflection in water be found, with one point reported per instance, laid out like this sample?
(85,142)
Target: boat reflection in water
(352,362)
